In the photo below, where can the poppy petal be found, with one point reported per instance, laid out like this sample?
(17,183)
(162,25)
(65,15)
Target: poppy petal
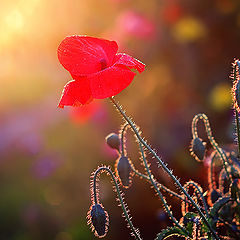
(76,93)
(128,61)
(110,81)
(82,55)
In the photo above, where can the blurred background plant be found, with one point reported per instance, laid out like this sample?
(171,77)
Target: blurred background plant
(45,155)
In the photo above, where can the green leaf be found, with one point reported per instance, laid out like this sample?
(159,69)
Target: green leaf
(170,231)
(188,221)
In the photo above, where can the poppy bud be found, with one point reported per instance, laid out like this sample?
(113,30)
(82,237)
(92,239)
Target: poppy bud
(124,171)
(99,220)
(213,196)
(198,148)
(113,141)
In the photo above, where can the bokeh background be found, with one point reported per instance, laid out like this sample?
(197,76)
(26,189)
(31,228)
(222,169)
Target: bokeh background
(47,154)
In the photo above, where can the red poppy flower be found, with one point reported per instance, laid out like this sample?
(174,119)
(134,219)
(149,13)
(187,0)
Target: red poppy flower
(96,67)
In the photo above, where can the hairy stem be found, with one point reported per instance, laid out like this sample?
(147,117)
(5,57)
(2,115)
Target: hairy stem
(141,175)
(123,205)
(123,130)
(237,130)
(211,139)
(167,208)
(196,187)
(164,188)
(167,170)
(212,180)
(235,76)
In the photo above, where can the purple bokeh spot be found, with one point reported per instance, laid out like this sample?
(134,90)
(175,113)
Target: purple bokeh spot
(45,167)
(32,143)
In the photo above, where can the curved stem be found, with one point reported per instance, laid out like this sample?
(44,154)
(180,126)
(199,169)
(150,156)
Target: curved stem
(237,130)
(124,128)
(235,76)
(141,175)
(164,188)
(211,139)
(167,170)
(212,181)
(159,193)
(201,195)
(125,211)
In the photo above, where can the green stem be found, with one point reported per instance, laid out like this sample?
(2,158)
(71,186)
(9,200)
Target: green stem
(211,139)
(124,208)
(167,170)
(164,188)
(159,193)
(235,76)
(196,187)
(123,129)
(141,175)
(212,182)
(237,130)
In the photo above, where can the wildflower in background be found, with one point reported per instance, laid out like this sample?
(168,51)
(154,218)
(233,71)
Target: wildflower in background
(45,166)
(220,97)
(172,12)
(84,113)
(134,24)
(96,67)
(189,29)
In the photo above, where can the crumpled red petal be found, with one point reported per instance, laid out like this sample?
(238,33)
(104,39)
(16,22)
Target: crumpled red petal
(82,55)
(110,81)
(128,61)
(76,93)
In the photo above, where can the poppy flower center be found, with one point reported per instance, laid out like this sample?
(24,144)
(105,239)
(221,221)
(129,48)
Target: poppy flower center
(103,63)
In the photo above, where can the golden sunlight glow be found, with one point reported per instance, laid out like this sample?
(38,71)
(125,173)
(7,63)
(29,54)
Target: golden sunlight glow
(14,20)
(12,23)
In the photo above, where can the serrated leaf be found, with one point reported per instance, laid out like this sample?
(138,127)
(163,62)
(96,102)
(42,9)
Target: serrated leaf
(170,231)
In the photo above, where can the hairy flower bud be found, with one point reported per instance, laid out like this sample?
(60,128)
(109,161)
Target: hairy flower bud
(113,141)
(124,171)
(99,219)
(214,195)
(198,148)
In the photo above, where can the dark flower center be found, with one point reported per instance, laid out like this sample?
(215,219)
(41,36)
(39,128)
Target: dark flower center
(103,63)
